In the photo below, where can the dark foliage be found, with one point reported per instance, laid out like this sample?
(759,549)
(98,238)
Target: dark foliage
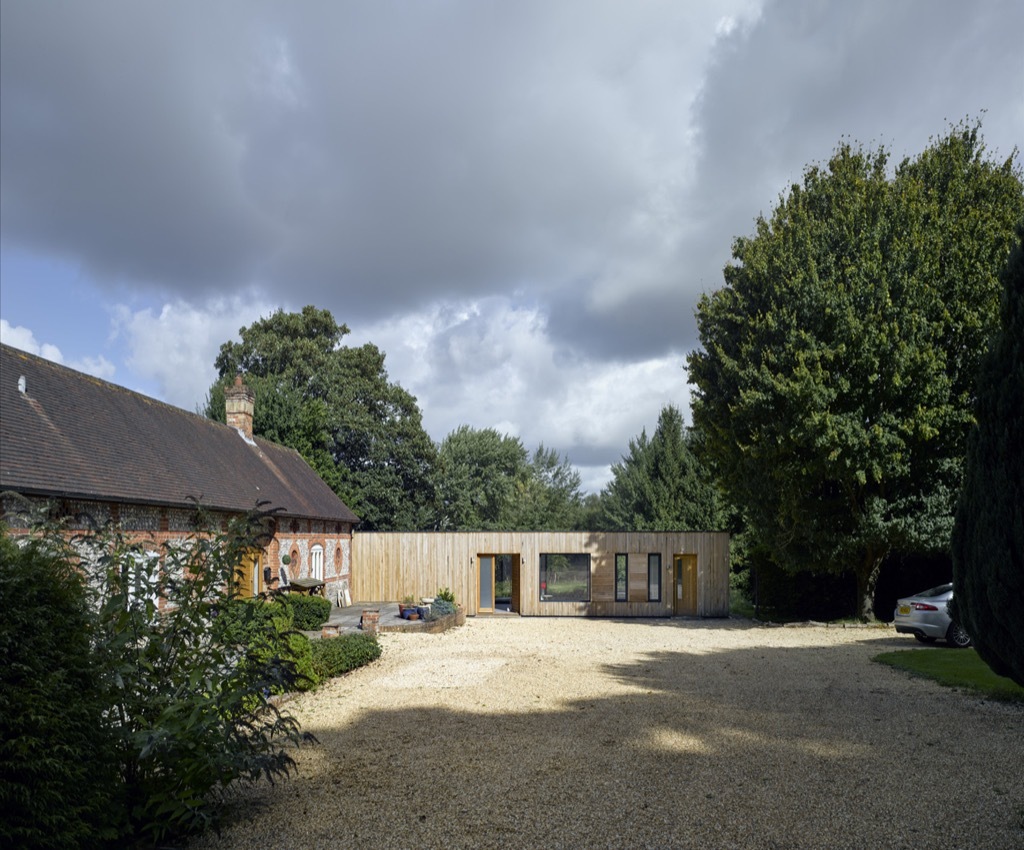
(338,655)
(308,612)
(783,595)
(904,574)
(176,697)
(660,485)
(57,765)
(988,537)
(267,630)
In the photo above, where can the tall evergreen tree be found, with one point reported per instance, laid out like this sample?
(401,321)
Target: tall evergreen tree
(660,485)
(988,537)
(549,499)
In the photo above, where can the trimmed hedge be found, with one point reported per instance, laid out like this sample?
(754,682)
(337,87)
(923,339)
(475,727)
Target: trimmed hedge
(308,612)
(337,655)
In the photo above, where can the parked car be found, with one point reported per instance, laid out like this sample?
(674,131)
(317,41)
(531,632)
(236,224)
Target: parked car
(925,615)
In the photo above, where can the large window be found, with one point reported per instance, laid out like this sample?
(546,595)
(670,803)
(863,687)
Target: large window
(621,578)
(565,578)
(316,562)
(654,577)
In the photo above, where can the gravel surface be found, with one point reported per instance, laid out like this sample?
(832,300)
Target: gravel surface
(566,733)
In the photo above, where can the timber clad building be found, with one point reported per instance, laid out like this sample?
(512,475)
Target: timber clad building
(92,448)
(552,573)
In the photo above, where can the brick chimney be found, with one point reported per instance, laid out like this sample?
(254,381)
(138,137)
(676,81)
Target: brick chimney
(239,403)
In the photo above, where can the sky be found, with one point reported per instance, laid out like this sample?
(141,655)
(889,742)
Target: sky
(520,203)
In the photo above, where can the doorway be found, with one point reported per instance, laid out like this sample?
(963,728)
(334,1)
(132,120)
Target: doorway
(497,583)
(248,572)
(684,596)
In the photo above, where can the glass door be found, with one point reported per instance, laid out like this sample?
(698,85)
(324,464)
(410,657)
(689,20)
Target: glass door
(486,583)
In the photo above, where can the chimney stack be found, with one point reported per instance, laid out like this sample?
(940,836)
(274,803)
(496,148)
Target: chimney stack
(239,403)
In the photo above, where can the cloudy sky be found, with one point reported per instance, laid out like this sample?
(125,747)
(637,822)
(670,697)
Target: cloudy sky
(519,202)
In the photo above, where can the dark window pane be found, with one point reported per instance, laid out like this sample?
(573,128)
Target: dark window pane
(621,578)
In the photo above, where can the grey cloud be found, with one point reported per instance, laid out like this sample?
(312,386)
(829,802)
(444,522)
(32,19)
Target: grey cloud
(591,160)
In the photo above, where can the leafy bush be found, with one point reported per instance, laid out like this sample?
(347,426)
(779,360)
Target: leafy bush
(445,594)
(337,655)
(309,612)
(265,629)
(299,649)
(440,608)
(184,696)
(57,764)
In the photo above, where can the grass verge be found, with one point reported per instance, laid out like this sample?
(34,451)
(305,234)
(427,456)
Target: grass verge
(955,668)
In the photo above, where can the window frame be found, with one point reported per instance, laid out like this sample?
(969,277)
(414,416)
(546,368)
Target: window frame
(543,571)
(316,562)
(654,558)
(622,594)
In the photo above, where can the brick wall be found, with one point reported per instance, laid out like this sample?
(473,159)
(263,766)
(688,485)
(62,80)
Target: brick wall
(153,526)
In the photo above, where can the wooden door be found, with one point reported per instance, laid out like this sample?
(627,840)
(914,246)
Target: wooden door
(248,574)
(684,596)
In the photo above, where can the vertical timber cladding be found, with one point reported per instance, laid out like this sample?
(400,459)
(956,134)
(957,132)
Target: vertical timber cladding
(387,566)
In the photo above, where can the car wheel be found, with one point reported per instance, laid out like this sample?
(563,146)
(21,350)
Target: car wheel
(956,636)
(925,638)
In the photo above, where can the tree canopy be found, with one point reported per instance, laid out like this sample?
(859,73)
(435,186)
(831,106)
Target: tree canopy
(660,485)
(836,368)
(988,537)
(335,405)
(488,481)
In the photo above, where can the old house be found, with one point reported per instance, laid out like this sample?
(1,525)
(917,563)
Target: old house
(93,448)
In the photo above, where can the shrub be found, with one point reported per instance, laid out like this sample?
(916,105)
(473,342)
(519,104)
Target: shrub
(440,608)
(183,695)
(57,758)
(445,594)
(337,655)
(309,612)
(265,629)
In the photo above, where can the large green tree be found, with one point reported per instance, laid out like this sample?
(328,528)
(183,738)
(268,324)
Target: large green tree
(988,537)
(836,367)
(488,481)
(549,499)
(479,473)
(660,485)
(336,406)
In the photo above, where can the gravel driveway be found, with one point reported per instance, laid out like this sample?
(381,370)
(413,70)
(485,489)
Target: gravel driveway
(565,733)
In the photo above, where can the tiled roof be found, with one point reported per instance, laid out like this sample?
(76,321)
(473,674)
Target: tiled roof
(70,435)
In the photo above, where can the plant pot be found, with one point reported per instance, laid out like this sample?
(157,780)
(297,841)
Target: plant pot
(413,615)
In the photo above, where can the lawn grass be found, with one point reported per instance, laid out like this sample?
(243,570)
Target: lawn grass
(955,668)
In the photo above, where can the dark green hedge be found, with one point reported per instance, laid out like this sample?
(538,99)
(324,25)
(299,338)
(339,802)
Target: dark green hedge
(308,612)
(337,655)
(58,780)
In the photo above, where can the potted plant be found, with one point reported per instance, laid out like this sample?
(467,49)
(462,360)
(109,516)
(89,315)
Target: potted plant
(406,606)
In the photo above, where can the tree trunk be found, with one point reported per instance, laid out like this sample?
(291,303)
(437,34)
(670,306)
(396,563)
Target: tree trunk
(867,578)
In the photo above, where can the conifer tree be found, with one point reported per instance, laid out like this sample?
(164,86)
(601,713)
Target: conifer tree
(988,536)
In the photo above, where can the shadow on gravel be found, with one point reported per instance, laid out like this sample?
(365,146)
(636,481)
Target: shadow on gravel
(763,747)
